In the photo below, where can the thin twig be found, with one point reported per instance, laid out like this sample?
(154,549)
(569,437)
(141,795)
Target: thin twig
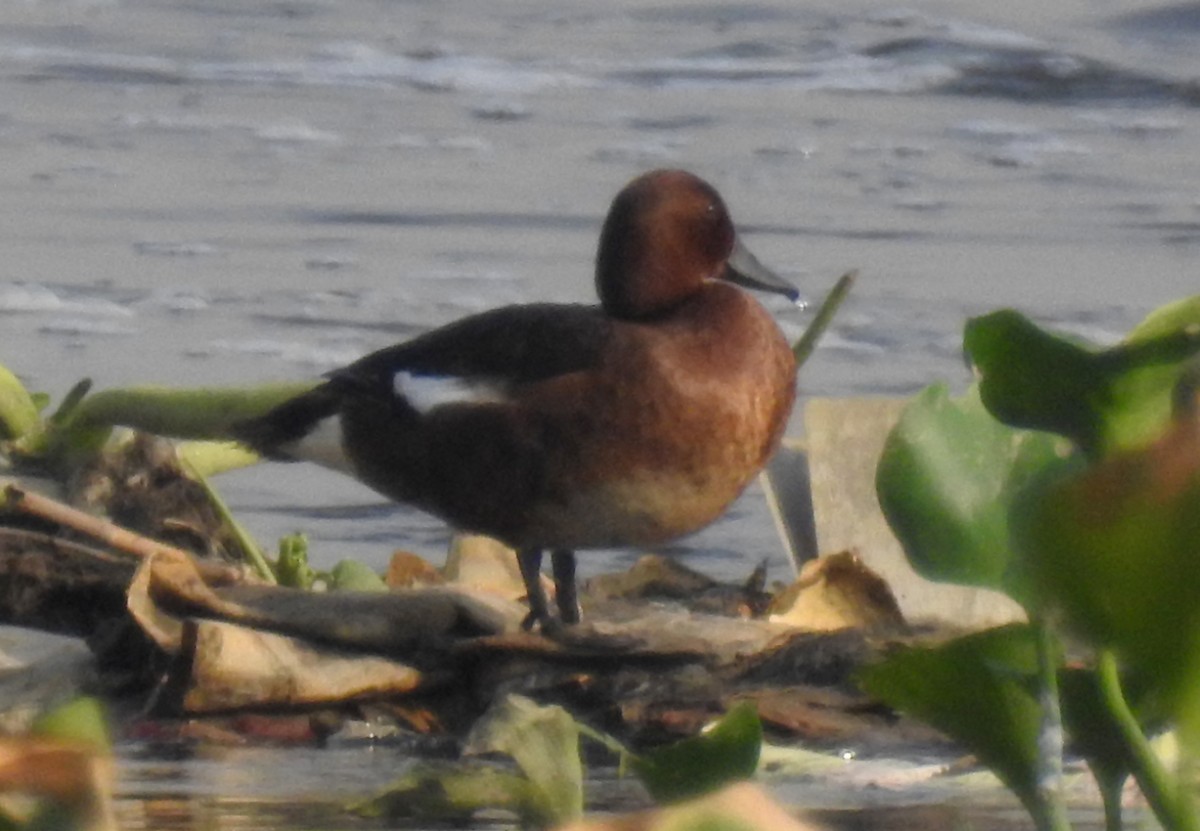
(122,539)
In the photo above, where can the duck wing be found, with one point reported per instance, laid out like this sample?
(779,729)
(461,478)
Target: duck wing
(505,347)
(500,349)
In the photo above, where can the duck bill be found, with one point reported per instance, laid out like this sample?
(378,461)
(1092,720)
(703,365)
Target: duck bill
(744,269)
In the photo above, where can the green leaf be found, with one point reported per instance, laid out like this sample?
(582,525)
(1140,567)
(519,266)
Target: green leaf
(948,474)
(353,576)
(544,742)
(1104,400)
(726,752)
(292,568)
(978,690)
(1114,549)
(1033,379)
(81,719)
(19,416)
(1142,396)
(208,458)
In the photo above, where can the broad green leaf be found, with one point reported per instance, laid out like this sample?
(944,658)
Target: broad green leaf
(1102,399)
(978,690)
(1142,396)
(726,752)
(948,474)
(1115,549)
(1031,378)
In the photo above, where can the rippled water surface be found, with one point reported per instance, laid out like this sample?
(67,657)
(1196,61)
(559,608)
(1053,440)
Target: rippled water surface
(226,192)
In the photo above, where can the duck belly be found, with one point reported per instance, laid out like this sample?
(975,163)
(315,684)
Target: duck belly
(645,510)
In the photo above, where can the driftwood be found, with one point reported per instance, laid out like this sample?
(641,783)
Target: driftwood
(646,666)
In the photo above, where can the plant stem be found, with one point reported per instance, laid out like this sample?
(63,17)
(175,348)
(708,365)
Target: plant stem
(807,343)
(1052,809)
(249,546)
(1110,793)
(1166,799)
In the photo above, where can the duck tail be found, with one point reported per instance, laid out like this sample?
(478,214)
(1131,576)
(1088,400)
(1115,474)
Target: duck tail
(275,433)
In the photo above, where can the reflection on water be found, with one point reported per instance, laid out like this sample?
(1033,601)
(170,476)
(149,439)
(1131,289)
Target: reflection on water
(233,788)
(175,788)
(199,813)
(179,788)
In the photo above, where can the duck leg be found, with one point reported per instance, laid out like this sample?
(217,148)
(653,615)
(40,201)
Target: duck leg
(562,562)
(530,561)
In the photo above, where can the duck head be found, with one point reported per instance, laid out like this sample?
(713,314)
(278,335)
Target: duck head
(667,233)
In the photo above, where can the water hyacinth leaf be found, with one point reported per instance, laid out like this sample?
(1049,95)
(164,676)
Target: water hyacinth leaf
(82,720)
(978,690)
(544,742)
(1103,400)
(1031,378)
(947,477)
(726,752)
(19,417)
(1114,549)
(1142,396)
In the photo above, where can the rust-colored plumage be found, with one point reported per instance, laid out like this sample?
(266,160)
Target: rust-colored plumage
(626,424)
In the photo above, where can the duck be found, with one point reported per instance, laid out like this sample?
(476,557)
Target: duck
(566,427)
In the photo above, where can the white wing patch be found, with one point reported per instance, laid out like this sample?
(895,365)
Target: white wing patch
(322,445)
(424,392)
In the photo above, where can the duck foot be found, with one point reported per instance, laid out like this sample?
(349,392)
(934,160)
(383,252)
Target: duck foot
(566,595)
(562,563)
(582,637)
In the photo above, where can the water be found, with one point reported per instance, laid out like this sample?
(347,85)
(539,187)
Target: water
(236,788)
(221,192)
(225,192)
